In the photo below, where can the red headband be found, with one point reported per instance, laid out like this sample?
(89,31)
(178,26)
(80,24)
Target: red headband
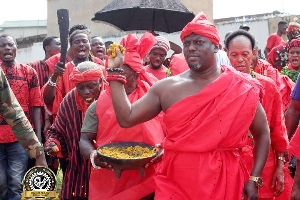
(89,75)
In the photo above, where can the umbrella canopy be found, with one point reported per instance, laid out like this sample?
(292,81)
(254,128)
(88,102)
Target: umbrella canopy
(156,15)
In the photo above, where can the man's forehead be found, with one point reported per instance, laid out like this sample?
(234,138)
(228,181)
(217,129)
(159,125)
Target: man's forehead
(7,39)
(194,36)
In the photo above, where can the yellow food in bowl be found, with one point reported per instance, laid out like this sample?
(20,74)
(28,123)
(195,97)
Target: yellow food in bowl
(135,152)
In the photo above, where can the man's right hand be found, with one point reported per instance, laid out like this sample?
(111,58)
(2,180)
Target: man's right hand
(59,70)
(51,149)
(101,163)
(250,190)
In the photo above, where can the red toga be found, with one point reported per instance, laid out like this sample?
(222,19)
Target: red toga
(158,73)
(284,84)
(202,158)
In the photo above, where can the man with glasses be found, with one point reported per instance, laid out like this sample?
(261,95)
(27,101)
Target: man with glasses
(157,56)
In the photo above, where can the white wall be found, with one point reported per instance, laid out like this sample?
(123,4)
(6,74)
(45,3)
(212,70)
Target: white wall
(30,54)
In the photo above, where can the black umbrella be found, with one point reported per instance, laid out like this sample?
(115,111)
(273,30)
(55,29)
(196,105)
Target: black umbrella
(156,15)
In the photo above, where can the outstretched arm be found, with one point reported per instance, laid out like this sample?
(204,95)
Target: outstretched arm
(129,114)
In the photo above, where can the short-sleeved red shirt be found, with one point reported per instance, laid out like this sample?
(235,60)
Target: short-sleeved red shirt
(24,83)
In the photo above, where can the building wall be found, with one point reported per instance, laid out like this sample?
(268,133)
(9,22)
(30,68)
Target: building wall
(19,33)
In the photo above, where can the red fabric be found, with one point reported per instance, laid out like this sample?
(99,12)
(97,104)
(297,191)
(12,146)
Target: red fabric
(42,71)
(272,105)
(89,75)
(178,64)
(103,183)
(200,160)
(294,43)
(158,73)
(201,26)
(23,81)
(136,49)
(284,84)
(294,144)
(273,41)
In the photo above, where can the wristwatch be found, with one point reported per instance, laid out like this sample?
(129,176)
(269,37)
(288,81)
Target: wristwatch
(282,159)
(257,180)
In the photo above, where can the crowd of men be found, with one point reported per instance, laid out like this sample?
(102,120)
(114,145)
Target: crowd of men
(224,117)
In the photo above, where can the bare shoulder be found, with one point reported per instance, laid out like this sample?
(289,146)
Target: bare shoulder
(171,83)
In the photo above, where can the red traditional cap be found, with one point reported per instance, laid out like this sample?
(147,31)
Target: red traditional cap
(294,25)
(162,43)
(89,75)
(136,49)
(294,43)
(201,26)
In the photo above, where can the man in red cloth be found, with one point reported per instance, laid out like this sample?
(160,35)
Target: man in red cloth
(62,139)
(208,112)
(240,49)
(157,56)
(284,84)
(276,38)
(100,125)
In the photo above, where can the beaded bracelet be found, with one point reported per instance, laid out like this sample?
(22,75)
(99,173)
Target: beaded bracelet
(121,71)
(92,156)
(119,78)
(53,84)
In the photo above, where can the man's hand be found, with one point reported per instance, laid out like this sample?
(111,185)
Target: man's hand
(117,61)
(295,194)
(102,163)
(41,160)
(158,157)
(278,179)
(250,190)
(51,149)
(59,70)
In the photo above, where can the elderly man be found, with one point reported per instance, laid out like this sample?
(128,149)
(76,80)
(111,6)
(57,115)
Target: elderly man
(240,45)
(157,56)
(62,139)
(208,112)
(100,125)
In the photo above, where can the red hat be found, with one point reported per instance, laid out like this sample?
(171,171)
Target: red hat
(294,25)
(89,75)
(201,26)
(136,49)
(294,43)
(162,43)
